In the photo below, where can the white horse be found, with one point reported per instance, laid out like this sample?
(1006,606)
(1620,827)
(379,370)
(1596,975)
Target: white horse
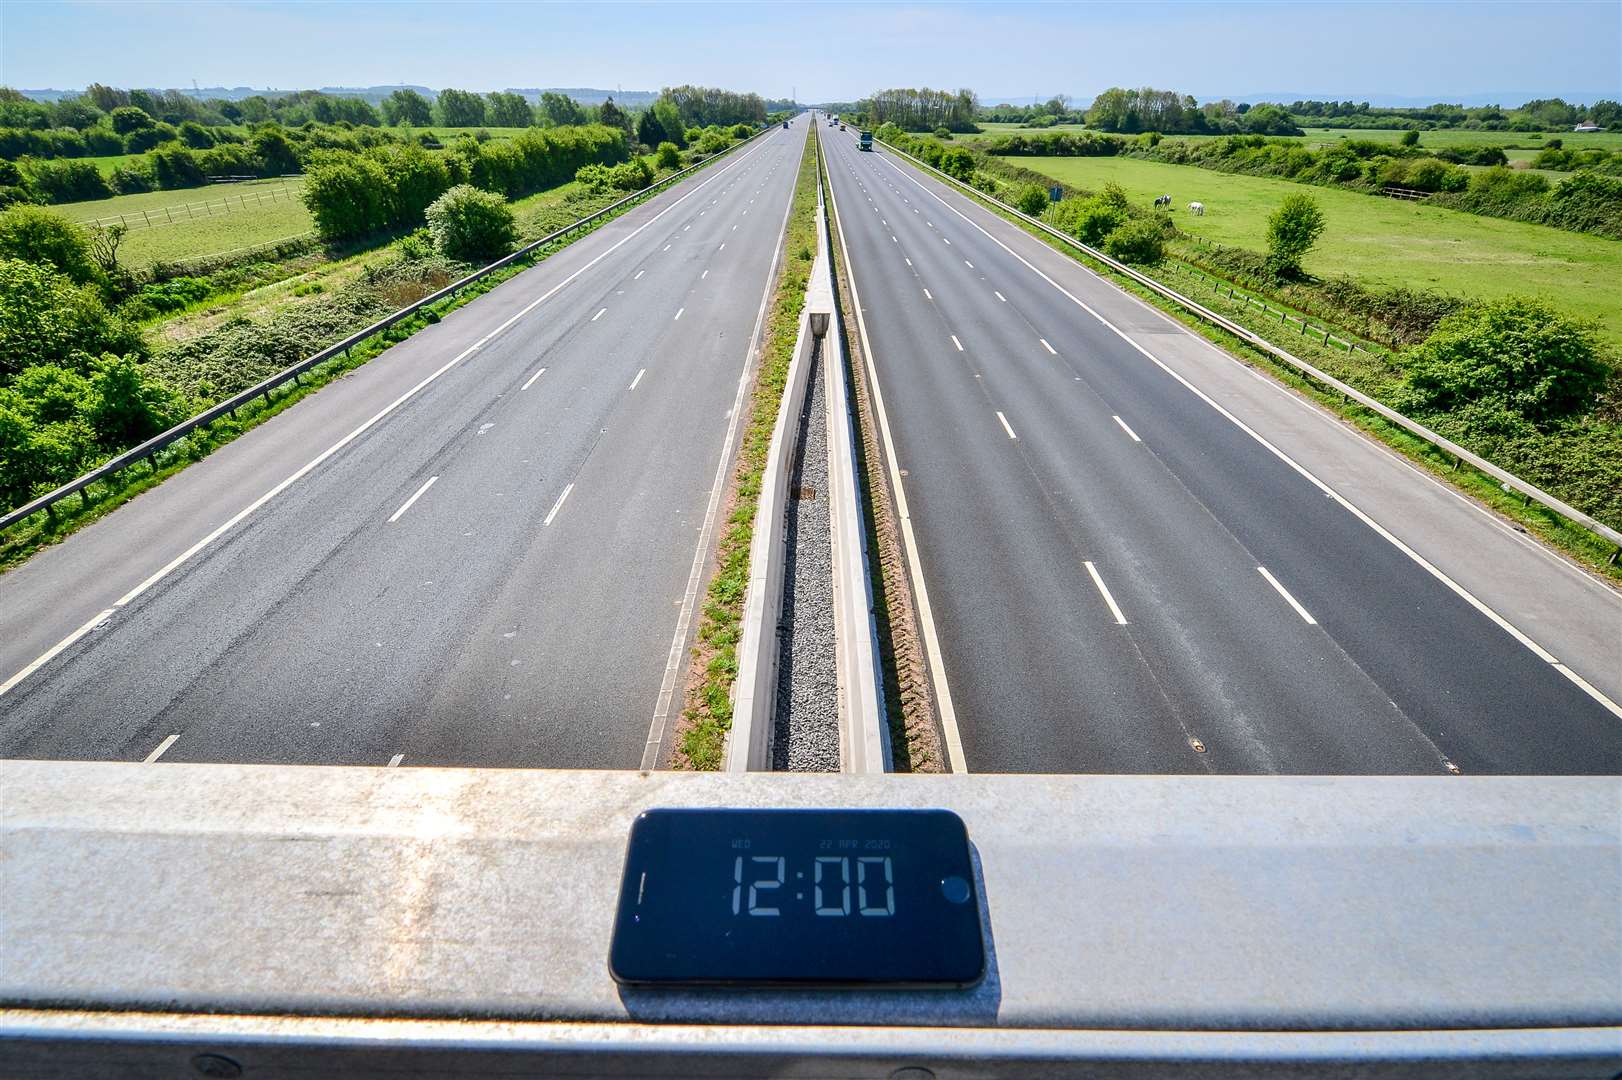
(1197,209)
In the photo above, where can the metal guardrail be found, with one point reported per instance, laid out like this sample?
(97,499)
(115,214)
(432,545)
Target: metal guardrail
(1507,480)
(45,503)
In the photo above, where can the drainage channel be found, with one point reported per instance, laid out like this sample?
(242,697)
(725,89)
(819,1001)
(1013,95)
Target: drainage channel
(806,732)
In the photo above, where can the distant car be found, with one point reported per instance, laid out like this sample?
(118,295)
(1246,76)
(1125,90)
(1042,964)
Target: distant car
(841,127)
(785,125)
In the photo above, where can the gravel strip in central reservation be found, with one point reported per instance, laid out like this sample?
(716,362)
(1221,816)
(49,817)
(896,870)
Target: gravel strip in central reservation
(806,732)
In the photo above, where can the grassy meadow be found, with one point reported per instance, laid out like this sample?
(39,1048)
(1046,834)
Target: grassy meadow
(188,222)
(1381,241)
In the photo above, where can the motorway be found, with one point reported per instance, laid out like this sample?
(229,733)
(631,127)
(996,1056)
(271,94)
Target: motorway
(1139,556)
(482,548)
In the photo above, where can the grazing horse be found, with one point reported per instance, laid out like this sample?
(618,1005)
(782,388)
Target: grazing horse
(1163,200)
(1197,209)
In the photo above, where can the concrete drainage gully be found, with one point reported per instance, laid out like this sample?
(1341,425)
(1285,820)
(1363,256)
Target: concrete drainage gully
(807,696)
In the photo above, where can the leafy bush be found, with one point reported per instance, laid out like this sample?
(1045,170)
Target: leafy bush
(133,178)
(125,406)
(1032,199)
(66,181)
(1517,355)
(741,131)
(1292,229)
(128,118)
(471,225)
(957,162)
(1142,241)
(174,166)
(1096,220)
(348,195)
(37,235)
(669,155)
(46,319)
(162,297)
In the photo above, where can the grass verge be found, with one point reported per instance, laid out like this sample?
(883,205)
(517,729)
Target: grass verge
(22,540)
(707,713)
(1570,539)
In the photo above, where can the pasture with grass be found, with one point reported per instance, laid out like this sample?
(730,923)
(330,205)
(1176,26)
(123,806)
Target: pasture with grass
(1377,240)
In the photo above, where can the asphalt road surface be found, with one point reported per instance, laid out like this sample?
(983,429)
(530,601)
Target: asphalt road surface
(478,549)
(1140,556)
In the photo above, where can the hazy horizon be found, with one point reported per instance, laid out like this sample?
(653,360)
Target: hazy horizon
(1420,52)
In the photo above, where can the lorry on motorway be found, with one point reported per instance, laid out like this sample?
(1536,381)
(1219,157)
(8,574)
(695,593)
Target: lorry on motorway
(866,141)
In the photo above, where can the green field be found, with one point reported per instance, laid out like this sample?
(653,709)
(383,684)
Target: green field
(189,222)
(1377,240)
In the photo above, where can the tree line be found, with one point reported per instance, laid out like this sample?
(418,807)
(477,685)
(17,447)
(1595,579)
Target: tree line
(922,110)
(1168,112)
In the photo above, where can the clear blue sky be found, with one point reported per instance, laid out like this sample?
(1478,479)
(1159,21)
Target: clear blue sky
(831,51)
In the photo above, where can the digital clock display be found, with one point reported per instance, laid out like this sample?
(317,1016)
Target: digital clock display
(798,897)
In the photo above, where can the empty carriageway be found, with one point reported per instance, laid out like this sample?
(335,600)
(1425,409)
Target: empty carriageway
(477,549)
(1125,575)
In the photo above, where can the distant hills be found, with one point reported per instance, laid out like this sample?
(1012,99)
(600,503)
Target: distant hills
(584,94)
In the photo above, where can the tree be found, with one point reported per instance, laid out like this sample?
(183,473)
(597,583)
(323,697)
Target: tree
(127,118)
(1409,138)
(507,110)
(614,116)
(669,156)
(648,130)
(406,106)
(1032,199)
(37,235)
(460,108)
(195,135)
(471,225)
(664,111)
(1291,231)
(561,110)
(1518,355)
(273,150)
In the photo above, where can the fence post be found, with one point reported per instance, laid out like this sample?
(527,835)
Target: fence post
(148,219)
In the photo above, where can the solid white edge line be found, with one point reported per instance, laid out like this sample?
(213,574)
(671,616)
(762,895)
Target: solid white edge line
(955,757)
(415,496)
(1005,425)
(1103,590)
(1591,690)
(1282,591)
(638,379)
(51,653)
(531,380)
(676,658)
(1126,429)
(1048,347)
(161,749)
(1431,568)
